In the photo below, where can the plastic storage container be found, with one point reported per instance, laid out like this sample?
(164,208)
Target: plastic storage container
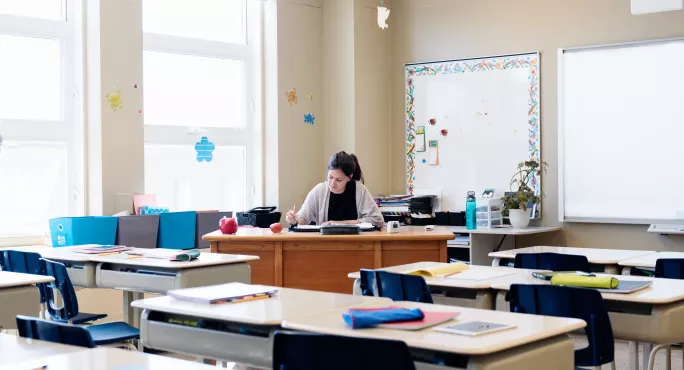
(489,212)
(68,231)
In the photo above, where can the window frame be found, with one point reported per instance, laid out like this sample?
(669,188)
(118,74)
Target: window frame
(250,135)
(69,128)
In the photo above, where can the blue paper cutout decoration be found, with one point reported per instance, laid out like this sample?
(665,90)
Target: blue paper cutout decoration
(310,118)
(424,160)
(205,149)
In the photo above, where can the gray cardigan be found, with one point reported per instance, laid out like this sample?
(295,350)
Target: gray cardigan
(315,207)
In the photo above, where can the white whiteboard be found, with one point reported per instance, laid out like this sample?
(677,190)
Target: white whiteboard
(621,133)
(490,109)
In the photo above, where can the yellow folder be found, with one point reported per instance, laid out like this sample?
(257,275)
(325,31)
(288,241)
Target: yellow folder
(440,271)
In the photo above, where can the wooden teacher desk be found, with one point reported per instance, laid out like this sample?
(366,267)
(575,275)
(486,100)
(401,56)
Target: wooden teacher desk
(321,262)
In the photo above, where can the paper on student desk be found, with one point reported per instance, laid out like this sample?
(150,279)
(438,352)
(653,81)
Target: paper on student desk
(219,293)
(440,271)
(480,274)
(362,226)
(160,253)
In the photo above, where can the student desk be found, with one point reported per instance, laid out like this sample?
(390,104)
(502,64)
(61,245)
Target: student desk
(239,332)
(603,260)
(452,292)
(18,296)
(538,342)
(321,262)
(135,276)
(106,359)
(15,350)
(647,261)
(651,315)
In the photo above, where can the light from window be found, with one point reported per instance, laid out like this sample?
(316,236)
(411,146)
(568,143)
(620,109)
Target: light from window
(30,78)
(215,20)
(33,186)
(193,91)
(46,9)
(181,183)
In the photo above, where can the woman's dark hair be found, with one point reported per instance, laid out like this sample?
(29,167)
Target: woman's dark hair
(347,163)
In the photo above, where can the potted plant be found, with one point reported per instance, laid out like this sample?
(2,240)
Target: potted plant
(517,203)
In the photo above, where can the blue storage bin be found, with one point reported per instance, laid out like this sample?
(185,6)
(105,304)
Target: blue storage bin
(68,231)
(177,230)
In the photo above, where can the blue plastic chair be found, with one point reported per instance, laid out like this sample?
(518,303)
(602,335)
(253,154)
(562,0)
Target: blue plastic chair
(109,333)
(305,351)
(397,287)
(670,268)
(551,261)
(26,263)
(579,303)
(50,331)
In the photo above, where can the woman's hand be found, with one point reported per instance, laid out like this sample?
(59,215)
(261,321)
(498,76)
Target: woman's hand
(292,217)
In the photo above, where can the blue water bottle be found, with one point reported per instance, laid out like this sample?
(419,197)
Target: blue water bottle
(471,205)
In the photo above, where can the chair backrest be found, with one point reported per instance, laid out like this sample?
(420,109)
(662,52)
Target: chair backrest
(397,287)
(368,283)
(50,331)
(25,263)
(579,303)
(551,261)
(670,268)
(304,351)
(62,283)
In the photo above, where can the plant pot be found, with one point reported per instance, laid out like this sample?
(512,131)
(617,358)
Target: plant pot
(519,218)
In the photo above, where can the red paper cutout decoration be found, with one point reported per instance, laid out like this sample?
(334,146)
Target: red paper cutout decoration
(443,132)
(433,121)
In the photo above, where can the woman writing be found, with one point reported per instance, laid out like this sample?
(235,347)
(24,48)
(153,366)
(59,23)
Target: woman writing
(343,199)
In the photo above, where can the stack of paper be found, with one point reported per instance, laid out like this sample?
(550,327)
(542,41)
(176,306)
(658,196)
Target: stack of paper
(96,249)
(440,270)
(231,292)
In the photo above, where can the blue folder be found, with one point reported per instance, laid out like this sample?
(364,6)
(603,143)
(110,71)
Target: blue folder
(177,230)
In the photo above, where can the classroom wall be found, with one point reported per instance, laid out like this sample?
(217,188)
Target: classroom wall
(300,65)
(425,30)
(372,95)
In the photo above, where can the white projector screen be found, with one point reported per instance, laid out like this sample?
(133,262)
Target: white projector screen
(621,133)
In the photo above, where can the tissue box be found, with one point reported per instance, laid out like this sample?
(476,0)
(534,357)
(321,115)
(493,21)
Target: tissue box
(68,231)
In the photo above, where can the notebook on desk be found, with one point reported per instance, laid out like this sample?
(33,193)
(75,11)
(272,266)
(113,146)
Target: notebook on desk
(364,226)
(628,286)
(230,292)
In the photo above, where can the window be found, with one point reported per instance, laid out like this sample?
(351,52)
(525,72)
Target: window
(39,154)
(201,67)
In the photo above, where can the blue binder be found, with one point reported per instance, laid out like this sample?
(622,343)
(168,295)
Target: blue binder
(177,230)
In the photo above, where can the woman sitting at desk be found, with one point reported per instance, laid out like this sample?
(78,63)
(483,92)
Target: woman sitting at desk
(343,199)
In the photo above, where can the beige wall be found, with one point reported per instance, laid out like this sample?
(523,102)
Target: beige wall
(300,65)
(372,95)
(424,30)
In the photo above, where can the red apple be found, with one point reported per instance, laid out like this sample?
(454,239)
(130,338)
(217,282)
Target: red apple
(228,225)
(276,227)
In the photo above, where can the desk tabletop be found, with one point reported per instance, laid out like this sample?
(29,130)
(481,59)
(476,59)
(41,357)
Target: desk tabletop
(16,349)
(649,260)
(504,230)
(594,255)
(13,279)
(287,304)
(529,329)
(662,291)
(404,233)
(455,283)
(204,259)
(107,359)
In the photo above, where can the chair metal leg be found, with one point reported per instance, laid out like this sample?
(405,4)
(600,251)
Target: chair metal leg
(654,351)
(646,350)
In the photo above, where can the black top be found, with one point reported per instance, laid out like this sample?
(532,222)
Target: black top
(342,207)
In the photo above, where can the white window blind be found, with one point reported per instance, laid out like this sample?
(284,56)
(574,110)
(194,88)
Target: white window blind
(621,133)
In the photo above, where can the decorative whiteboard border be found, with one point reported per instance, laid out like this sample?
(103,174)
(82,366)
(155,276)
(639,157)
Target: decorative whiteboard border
(475,65)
